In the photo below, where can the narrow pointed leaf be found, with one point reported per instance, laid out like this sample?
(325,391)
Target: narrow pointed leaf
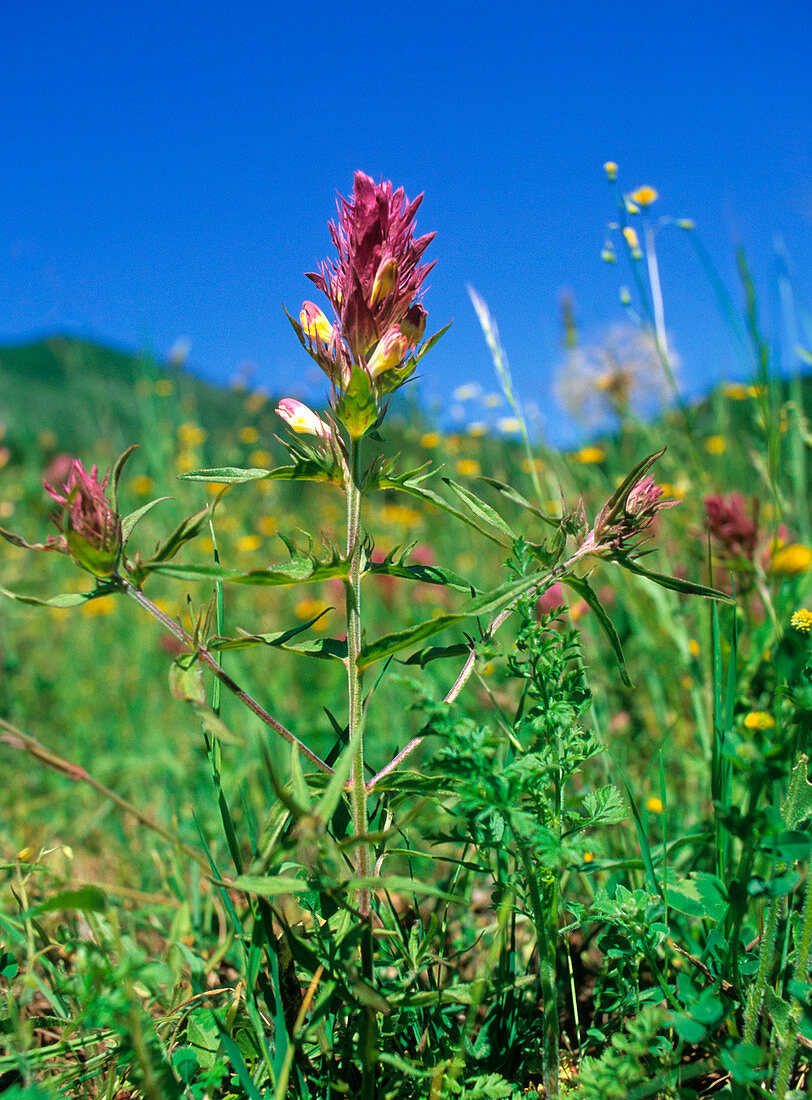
(247,640)
(426,574)
(296,571)
(688,588)
(513,494)
(432,340)
(431,497)
(480,509)
(66,599)
(129,522)
(487,604)
(589,596)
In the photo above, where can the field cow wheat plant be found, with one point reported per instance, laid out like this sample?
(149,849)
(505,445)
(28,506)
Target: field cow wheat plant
(348,756)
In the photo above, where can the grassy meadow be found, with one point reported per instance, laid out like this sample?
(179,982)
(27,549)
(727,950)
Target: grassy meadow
(133,967)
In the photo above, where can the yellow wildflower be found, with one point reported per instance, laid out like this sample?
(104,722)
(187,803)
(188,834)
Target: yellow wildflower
(185,462)
(737,391)
(191,434)
(248,434)
(477,429)
(430,439)
(468,467)
(308,607)
(644,196)
(266,525)
(789,561)
(25,855)
(255,401)
(142,485)
(654,805)
(802,620)
(632,239)
(248,543)
(716,444)
(261,458)
(589,456)
(693,647)
(588,857)
(401,515)
(610,168)
(469,391)
(101,606)
(492,400)
(758,720)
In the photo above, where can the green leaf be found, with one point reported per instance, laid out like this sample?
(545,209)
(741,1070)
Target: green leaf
(129,522)
(225,475)
(483,605)
(688,588)
(432,340)
(87,898)
(357,409)
(271,886)
(482,510)
(66,599)
(278,638)
(425,574)
(295,571)
(699,894)
(410,484)
(604,806)
(187,529)
(186,680)
(583,588)
(513,494)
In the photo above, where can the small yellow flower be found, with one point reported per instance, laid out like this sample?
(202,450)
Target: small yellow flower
(493,400)
(191,434)
(588,857)
(213,488)
(266,525)
(185,462)
(246,544)
(693,647)
(477,429)
(468,467)
(261,458)
(737,391)
(142,485)
(631,207)
(654,805)
(227,524)
(6,509)
(164,387)
(430,439)
(308,607)
(101,606)
(715,445)
(756,391)
(644,196)
(608,255)
(610,168)
(589,456)
(25,855)
(536,464)
(401,515)
(759,720)
(248,434)
(789,561)
(802,620)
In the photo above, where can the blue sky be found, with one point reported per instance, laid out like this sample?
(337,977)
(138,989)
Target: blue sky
(170,168)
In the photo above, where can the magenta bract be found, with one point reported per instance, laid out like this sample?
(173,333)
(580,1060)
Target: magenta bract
(91,526)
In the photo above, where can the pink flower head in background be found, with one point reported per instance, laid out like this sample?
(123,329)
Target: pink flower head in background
(91,527)
(731,526)
(374,284)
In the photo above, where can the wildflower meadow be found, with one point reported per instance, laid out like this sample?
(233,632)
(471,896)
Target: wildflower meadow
(351,756)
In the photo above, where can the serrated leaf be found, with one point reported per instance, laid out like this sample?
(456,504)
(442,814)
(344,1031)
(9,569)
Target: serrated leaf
(482,510)
(605,806)
(482,605)
(582,587)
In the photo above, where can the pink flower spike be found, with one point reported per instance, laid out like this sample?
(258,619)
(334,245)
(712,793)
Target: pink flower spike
(303,420)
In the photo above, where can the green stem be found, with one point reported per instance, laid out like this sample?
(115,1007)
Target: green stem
(368,1031)
(544,901)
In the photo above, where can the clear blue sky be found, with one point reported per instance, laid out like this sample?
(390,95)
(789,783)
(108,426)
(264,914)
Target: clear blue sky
(170,167)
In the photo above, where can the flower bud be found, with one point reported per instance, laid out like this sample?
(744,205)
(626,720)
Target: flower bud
(389,353)
(314,323)
(302,419)
(385,278)
(413,324)
(91,526)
